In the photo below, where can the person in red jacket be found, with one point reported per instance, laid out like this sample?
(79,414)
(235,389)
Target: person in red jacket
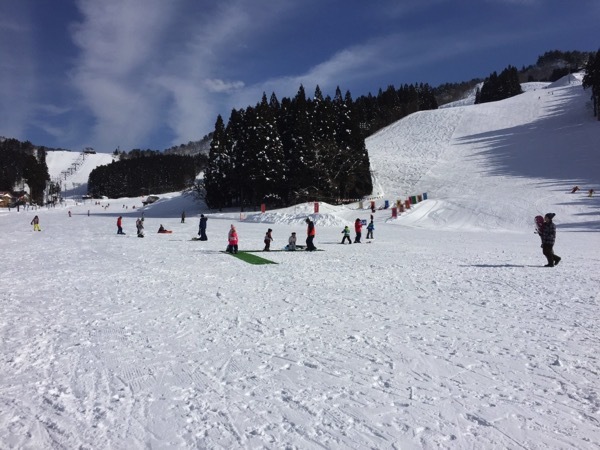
(310,235)
(358,229)
(232,240)
(120,225)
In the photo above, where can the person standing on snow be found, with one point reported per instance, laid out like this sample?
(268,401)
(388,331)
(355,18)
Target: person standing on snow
(140,228)
(370,229)
(183,217)
(310,235)
(346,233)
(358,229)
(548,238)
(36,224)
(268,239)
(232,238)
(120,225)
(202,229)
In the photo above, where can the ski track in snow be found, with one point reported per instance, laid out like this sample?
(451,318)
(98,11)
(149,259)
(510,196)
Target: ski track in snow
(435,335)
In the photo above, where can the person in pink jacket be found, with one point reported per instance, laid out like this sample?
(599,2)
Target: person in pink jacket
(233,240)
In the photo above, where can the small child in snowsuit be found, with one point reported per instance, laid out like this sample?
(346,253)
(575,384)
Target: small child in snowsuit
(232,240)
(292,242)
(36,224)
(140,228)
(268,239)
(370,229)
(346,233)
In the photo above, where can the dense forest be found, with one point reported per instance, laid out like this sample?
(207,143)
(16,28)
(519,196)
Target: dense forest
(23,163)
(283,152)
(137,176)
(498,87)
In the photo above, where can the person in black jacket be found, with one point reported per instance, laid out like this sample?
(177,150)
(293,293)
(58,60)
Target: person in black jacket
(548,238)
(202,230)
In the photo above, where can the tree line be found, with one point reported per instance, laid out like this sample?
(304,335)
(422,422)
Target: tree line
(591,80)
(22,162)
(498,87)
(298,149)
(143,175)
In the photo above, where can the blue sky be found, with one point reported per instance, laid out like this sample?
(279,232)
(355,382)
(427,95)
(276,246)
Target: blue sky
(156,73)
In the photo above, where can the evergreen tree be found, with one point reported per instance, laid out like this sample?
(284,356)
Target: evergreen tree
(218,170)
(591,80)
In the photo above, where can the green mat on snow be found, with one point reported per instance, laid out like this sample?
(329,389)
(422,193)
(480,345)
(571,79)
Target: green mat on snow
(251,258)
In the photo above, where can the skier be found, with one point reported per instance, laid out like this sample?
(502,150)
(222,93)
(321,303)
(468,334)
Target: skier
(370,229)
(140,228)
(346,233)
(202,229)
(268,239)
(292,242)
(233,240)
(183,217)
(310,235)
(548,236)
(358,229)
(36,224)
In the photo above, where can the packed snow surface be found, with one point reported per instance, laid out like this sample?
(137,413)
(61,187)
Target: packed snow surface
(444,331)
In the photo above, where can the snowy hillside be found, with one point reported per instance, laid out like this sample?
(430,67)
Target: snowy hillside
(72,169)
(485,166)
(444,331)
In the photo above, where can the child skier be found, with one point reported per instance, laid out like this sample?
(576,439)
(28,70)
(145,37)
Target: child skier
(346,233)
(370,229)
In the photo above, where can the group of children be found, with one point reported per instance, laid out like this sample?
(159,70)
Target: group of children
(358,224)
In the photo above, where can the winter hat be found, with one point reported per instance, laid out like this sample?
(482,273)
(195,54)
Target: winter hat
(270,229)
(550,216)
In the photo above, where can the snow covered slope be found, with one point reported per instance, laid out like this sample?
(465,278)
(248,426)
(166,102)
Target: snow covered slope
(72,169)
(494,165)
(434,335)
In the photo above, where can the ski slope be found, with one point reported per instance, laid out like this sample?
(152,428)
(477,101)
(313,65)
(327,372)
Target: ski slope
(445,331)
(73,169)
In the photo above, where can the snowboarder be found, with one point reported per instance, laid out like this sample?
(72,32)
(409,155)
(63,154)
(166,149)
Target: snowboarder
(36,224)
(233,240)
(358,229)
(202,229)
(370,229)
(140,228)
(183,217)
(346,233)
(268,239)
(120,225)
(292,242)
(310,235)
(548,236)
